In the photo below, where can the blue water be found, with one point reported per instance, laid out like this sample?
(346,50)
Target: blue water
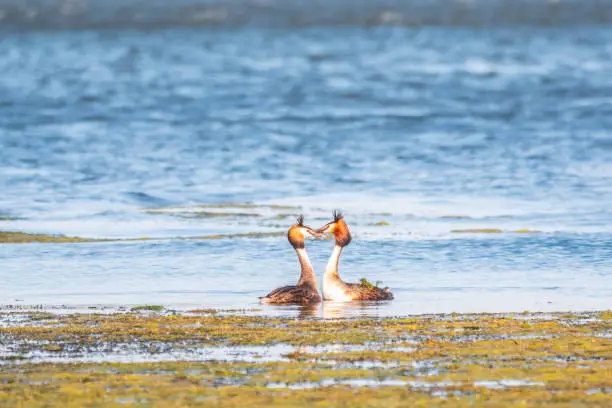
(132,132)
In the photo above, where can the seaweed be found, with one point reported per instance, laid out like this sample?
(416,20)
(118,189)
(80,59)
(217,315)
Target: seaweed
(458,360)
(477,231)
(151,308)
(24,238)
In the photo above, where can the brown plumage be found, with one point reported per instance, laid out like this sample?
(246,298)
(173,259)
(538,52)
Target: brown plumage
(333,287)
(302,294)
(360,291)
(305,292)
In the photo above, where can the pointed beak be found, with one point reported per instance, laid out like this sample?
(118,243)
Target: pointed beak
(317,234)
(313,233)
(324,230)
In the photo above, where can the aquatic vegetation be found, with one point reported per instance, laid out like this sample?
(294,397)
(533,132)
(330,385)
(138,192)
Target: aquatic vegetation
(477,231)
(250,205)
(368,285)
(381,224)
(221,206)
(558,360)
(365,284)
(205,214)
(263,215)
(152,308)
(209,328)
(22,237)
(284,216)
(243,235)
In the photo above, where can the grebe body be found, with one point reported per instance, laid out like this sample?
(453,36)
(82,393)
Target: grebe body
(335,288)
(305,292)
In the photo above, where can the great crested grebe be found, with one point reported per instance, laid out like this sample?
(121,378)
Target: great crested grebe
(306,289)
(333,287)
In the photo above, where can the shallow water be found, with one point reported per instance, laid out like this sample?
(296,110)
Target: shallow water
(426,129)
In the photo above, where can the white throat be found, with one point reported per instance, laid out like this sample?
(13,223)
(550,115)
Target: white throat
(303,256)
(332,264)
(308,274)
(333,287)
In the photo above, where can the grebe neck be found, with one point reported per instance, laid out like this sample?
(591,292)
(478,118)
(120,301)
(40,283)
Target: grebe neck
(331,270)
(307,276)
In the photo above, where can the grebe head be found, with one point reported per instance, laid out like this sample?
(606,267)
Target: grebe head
(339,228)
(299,232)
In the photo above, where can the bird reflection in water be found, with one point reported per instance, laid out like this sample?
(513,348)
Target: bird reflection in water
(329,310)
(338,310)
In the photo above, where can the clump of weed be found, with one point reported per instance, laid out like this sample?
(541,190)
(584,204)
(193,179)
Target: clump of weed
(151,308)
(8,237)
(366,284)
(477,231)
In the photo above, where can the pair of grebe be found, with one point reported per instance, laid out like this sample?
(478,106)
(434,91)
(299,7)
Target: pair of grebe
(334,288)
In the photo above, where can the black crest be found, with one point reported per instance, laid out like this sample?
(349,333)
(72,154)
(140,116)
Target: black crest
(300,220)
(337,215)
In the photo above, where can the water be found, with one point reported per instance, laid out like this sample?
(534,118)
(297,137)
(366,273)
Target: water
(430,129)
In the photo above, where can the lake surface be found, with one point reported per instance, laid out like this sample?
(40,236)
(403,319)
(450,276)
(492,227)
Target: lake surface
(169,130)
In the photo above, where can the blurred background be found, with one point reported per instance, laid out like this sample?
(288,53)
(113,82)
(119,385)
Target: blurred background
(468,143)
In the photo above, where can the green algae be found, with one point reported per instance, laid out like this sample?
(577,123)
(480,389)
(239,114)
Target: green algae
(34,316)
(7,237)
(365,284)
(297,384)
(267,212)
(477,231)
(203,311)
(227,210)
(250,205)
(284,216)
(151,308)
(95,388)
(22,237)
(210,328)
(215,311)
(368,285)
(226,206)
(242,235)
(212,237)
(493,360)
(205,214)
(380,224)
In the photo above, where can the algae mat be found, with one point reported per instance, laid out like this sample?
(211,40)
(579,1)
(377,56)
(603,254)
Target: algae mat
(560,360)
